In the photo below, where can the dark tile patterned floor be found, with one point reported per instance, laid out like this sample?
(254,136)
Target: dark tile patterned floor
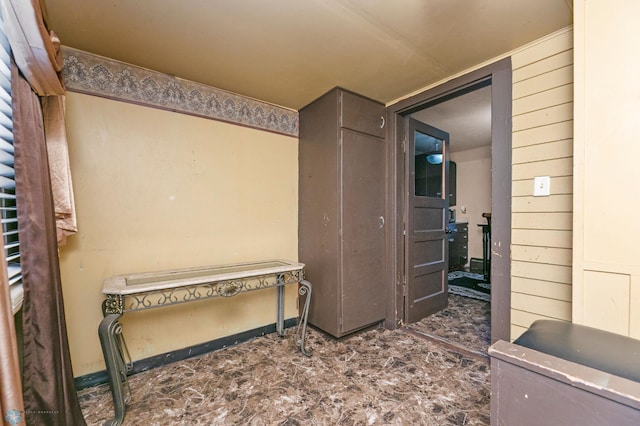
(397,377)
(466,322)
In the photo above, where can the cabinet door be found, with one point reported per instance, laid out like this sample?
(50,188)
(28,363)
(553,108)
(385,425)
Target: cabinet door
(362,236)
(362,114)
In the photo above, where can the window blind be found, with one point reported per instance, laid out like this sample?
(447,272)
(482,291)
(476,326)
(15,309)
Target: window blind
(8,210)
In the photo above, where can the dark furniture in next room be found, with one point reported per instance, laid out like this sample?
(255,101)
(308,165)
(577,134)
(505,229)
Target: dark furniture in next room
(486,247)
(458,245)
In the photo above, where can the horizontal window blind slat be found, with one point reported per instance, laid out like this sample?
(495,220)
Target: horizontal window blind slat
(5,82)
(13,257)
(17,297)
(6,130)
(15,280)
(6,157)
(4,144)
(6,170)
(9,220)
(10,233)
(14,275)
(7,196)
(12,245)
(6,183)
(14,269)
(5,95)
(4,47)
(5,70)
(6,139)
(6,111)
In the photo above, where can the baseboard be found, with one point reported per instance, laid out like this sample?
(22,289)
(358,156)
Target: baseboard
(100,377)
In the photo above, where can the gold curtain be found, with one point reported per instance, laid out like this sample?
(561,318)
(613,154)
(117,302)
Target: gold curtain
(37,53)
(58,154)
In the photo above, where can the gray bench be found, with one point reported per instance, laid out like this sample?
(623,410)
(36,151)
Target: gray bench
(559,373)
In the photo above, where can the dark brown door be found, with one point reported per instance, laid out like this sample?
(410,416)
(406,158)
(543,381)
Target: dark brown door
(362,234)
(426,254)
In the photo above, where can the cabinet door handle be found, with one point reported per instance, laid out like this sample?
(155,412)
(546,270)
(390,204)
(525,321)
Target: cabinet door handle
(382,121)
(381,221)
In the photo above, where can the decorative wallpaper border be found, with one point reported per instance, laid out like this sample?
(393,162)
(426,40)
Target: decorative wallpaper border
(96,75)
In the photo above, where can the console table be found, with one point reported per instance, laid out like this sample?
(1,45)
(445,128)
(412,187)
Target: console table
(136,292)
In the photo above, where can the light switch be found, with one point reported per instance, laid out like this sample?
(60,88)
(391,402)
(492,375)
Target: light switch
(541,186)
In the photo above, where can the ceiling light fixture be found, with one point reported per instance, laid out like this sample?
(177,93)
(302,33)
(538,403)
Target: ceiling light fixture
(434,158)
(435,155)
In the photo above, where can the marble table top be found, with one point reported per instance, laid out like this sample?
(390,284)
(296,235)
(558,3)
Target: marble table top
(163,280)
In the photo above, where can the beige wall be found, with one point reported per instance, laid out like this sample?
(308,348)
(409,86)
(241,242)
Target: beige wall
(541,237)
(606,270)
(158,190)
(473,191)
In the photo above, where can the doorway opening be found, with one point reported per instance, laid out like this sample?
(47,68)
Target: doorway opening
(483,150)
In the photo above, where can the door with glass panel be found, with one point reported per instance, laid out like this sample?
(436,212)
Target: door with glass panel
(426,253)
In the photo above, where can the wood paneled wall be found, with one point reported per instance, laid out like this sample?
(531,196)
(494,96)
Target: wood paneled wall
(542,146)
(606,265)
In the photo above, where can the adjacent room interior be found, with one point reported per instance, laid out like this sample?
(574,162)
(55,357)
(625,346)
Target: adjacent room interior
(466,116)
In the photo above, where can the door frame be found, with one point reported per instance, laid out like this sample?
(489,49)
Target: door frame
(501,88)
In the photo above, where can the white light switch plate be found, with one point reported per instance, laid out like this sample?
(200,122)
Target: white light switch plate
(541,186)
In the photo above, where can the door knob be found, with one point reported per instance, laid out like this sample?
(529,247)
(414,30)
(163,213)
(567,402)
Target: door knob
(381,221)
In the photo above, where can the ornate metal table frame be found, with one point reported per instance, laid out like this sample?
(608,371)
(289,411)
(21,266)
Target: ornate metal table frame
(136,292)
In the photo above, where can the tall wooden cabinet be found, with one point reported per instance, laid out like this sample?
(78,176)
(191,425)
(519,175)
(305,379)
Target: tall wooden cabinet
(341,210)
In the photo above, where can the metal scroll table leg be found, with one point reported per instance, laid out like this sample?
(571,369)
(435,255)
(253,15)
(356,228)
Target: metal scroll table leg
(301,330)
(280,320)
(109,332)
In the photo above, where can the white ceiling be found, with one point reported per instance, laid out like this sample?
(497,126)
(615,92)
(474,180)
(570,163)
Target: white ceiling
(467,119)
(288,52)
